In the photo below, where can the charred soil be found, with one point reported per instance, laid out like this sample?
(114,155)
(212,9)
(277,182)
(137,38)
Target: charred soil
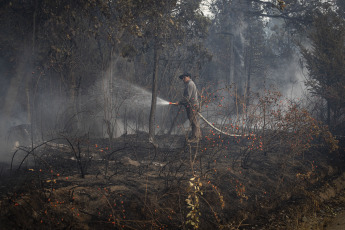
(128,183)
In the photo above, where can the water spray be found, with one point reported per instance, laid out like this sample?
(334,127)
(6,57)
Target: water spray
(161,101)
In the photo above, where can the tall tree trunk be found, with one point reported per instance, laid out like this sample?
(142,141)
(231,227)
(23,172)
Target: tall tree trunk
(328,114)
(232,60)
(249,71)
(154,93)
(74,94)
(30,101)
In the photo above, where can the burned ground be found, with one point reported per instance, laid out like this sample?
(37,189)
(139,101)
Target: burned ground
(219,183)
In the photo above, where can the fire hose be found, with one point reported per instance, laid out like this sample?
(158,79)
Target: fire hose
(207,122)
(210,124)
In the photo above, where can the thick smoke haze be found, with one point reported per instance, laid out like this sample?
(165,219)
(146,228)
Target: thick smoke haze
(102,89)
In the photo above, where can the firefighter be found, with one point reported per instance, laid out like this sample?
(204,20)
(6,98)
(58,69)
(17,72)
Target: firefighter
(191,103)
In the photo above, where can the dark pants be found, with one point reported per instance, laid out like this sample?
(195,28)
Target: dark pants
(192,114)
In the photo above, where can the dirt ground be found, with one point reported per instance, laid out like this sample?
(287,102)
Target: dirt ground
(338,223)
(127,183)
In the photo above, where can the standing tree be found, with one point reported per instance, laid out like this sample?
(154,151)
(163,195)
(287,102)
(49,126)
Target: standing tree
(52,48)
(325,61)
(159,24)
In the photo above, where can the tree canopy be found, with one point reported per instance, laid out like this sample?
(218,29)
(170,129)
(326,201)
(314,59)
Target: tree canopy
(325,61)
(62,48)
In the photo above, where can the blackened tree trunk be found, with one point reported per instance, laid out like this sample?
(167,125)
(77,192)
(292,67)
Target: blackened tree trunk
(154,92)
(328,113)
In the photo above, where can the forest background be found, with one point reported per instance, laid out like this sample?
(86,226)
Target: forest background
(72,67)
(91,141)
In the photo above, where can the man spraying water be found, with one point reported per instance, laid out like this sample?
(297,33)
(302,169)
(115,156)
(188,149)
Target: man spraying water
(191,103)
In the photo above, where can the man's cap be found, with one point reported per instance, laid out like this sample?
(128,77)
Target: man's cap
(185,75)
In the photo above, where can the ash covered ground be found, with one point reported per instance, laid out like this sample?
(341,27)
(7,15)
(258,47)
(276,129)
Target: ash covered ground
(127,183)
